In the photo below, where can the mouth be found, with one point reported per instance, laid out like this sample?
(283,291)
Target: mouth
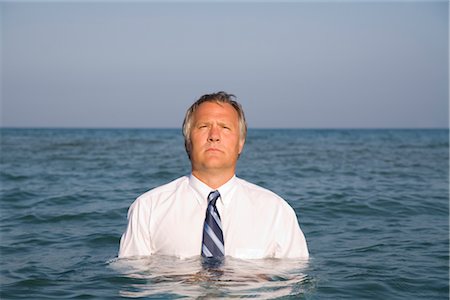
(213,150)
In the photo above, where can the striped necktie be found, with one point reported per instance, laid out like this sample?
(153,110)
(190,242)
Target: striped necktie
(212,245)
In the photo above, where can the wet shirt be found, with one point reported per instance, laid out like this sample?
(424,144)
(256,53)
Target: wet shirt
(168,220)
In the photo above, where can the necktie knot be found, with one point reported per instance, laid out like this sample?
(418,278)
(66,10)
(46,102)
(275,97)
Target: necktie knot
(212,198)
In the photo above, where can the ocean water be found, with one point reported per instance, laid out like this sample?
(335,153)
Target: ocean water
(373,204)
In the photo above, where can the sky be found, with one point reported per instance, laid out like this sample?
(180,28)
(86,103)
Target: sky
(296,64)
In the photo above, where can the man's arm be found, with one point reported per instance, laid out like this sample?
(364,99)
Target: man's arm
(136,239)
(291,242)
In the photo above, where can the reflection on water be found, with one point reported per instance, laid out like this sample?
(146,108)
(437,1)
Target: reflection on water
(169,277)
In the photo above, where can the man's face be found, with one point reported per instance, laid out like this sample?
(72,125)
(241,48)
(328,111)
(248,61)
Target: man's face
(215,138)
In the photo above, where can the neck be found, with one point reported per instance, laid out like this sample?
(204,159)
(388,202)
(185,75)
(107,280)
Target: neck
(212,180)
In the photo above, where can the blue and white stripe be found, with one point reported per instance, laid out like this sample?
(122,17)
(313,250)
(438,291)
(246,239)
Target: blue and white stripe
(213,245)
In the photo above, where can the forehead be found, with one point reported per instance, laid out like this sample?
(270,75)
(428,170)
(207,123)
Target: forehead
(213,110)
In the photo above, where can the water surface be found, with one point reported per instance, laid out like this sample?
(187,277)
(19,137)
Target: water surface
(373,205)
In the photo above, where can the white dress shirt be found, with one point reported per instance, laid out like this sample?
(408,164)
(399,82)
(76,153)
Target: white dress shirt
(168,220)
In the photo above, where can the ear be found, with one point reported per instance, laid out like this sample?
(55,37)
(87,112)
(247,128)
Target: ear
(241,145)
(188,149)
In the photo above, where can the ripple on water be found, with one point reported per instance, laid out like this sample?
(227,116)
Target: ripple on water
(262,279)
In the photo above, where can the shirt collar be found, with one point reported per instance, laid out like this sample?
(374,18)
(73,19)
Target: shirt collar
(203,190)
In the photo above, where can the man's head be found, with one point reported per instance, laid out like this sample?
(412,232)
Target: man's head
(214,132)
(218,98)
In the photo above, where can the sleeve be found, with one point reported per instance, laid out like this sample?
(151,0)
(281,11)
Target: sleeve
(136,239)
(291,242)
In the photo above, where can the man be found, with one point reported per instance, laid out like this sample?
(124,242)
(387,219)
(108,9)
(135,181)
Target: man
(211,212)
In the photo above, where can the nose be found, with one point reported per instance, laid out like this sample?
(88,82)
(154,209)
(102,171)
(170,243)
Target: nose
(214,134)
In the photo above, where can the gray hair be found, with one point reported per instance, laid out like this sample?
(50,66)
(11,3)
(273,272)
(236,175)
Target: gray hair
(219,98)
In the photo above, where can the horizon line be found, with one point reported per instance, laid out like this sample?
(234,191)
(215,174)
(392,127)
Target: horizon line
(249,128)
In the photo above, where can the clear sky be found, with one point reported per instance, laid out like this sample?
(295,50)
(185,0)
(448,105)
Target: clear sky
(335,64)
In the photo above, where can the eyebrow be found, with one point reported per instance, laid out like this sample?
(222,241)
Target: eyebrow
(224,124)
(220,123)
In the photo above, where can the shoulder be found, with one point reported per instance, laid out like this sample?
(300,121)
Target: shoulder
(163,191)
(265,201)
(258,192)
